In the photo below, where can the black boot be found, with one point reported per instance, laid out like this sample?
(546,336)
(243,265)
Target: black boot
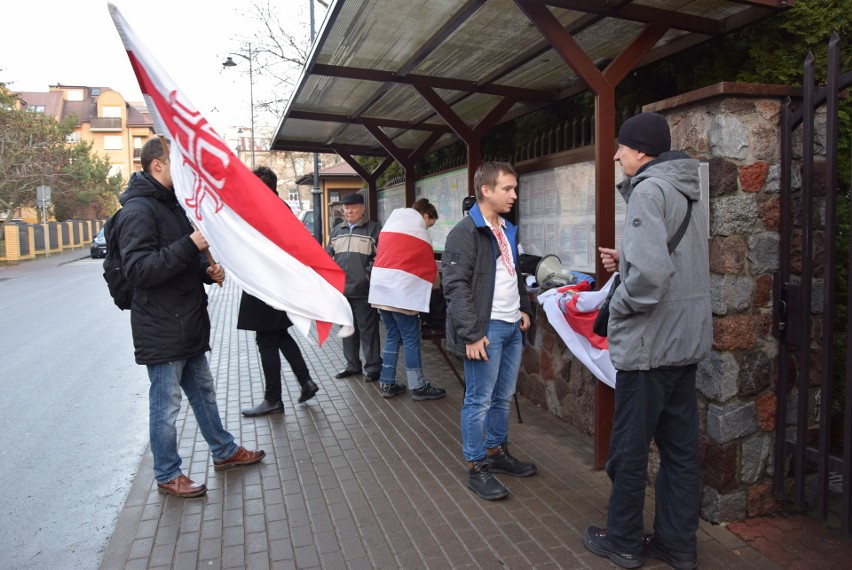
(483,483)
(501,461)
(264,408)
(309,390)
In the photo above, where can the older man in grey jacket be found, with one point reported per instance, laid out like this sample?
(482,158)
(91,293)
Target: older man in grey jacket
(660,327)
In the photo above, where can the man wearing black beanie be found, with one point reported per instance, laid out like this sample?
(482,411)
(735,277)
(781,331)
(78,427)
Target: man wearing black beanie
(660,327)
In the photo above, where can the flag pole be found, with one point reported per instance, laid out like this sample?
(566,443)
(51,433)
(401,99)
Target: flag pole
(210,259)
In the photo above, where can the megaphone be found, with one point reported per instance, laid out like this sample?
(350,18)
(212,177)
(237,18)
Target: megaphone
(550,273)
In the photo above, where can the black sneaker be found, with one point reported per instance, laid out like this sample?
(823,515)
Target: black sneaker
(483,483)
(596,540)
(502,462)
(428,392)
(391,390)
(653,549)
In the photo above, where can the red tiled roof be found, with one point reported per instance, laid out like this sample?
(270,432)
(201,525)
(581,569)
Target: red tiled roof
(52,101)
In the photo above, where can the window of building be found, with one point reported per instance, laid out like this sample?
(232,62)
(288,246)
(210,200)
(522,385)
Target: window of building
(73,138)
(138,142)
(95,91)
(116,169)
(112,142)
(35,108)
(74,95)
(111,112)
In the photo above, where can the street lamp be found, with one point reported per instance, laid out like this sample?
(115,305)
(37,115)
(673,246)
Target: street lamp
(317,193)
(229,62)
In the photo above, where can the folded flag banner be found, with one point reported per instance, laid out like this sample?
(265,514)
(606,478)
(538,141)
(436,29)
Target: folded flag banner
(404,268)
(256,237)
(571,310)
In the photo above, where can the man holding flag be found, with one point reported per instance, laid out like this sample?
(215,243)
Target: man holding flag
(162,258)
(255,236)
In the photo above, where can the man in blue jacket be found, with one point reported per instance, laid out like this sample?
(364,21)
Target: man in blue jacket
(162,258)
(660,327)
(487,311)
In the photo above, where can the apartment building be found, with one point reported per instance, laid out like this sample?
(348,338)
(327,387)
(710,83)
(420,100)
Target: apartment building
(117,128)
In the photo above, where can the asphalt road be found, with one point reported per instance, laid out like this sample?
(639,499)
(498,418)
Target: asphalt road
(73,413)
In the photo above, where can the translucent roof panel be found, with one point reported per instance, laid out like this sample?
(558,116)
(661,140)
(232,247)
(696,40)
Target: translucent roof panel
(382,35)
(371,56)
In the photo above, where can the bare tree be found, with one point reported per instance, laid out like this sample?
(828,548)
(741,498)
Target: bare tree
(280,47)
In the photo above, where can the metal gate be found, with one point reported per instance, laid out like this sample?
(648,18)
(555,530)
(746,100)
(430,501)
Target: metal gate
(813,439)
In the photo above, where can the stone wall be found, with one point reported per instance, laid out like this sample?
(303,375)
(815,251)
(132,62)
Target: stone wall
(734,128)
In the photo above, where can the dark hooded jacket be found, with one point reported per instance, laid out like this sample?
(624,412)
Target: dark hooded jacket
(469,269)
(168,316)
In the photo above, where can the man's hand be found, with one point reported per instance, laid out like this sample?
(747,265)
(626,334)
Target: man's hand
(476,351)
(609,258)
(216,273)
(525,321)
(198,239)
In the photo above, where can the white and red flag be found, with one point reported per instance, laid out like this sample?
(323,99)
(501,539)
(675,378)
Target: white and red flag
(265,249)
(404,268)
(571,310)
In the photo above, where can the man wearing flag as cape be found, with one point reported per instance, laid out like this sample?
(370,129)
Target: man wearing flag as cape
(266,250)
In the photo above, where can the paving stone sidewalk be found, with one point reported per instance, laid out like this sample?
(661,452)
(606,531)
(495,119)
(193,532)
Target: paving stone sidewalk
(353,480)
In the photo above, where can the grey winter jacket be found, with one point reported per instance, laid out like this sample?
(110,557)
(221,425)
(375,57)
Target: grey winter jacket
(660,315)
(469,266)
(354,251)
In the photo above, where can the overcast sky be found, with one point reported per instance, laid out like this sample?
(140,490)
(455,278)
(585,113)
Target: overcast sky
(74,42)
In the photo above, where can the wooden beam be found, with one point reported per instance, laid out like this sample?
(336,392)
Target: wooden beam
(434,81)
(354,120)
(562,42)
(643,14)
(443,109)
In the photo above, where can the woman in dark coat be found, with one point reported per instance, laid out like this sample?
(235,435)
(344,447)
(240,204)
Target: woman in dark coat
(270,326)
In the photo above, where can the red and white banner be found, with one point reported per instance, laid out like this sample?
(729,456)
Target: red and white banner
(256,237)
(571,310)
(405,267)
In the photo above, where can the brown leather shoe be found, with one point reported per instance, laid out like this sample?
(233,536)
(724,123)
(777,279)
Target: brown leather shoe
(242,457)
(182,486)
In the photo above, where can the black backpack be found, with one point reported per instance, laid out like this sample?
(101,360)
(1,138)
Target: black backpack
(119,288)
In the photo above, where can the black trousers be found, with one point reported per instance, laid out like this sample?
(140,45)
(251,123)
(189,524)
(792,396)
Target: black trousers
(660,404)
(365,337)
(268,344)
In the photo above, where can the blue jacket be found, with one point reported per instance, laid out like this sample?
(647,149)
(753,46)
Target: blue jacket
(469,266)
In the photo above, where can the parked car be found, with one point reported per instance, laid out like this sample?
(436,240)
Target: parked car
(98,247)
(307,218)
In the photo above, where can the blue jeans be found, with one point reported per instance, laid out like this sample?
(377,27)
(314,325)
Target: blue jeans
(167,379)
(489,385)
(405,329)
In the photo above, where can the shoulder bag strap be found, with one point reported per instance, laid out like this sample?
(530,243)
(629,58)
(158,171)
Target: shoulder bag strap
(682,229)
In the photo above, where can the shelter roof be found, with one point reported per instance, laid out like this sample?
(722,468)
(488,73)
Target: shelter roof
(382,65)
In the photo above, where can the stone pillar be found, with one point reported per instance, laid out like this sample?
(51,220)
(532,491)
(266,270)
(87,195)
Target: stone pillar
(735,128)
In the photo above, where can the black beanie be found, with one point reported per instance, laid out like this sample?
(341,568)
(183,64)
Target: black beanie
(646,132)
